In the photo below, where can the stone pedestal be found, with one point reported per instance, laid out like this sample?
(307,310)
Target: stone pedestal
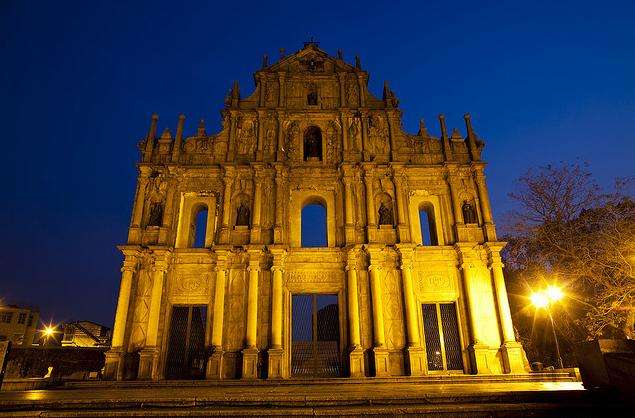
(214,369)
(275,361)
(113,365)
(250,363)
(512,355)
(351,234)
(147,360)
(482,358)
(356,360)
(382,366)
(416,361)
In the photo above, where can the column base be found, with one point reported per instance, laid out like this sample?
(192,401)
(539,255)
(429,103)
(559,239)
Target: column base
(404,233)
(113,368)
(351,236)
(147,363)
(512,355)
(250,363)
(483,359)
(274,362)
(356,362)
(417,361)
(382,365)
(278,237)
(214,368)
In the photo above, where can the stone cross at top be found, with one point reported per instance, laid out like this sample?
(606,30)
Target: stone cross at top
(311,41)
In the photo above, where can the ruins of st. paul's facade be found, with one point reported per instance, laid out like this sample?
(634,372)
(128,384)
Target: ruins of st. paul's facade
(216,283)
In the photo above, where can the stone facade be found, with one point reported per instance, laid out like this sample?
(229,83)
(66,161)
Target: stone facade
(311,132)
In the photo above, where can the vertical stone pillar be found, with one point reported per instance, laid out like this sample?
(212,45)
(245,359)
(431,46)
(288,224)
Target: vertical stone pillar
(134,233)
(261,134)
(392,127)
(276,352)
(149,355)
(361,82)
(486,209)
(345,139)
(255,227)
(415,352)
(250,352)
(401,198)
(365,145)
(379,350)
(281,182)
(280,153)
(349,210)
(456,202)
(114,356)
(231,152)
(215,362)
(356,353)
(342,82)
(370,204)
(281,89)
(511,350)
(360,206)
(225,231)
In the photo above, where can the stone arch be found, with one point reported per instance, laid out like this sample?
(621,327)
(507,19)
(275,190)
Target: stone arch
(191,205)
(421,200)
(302,198)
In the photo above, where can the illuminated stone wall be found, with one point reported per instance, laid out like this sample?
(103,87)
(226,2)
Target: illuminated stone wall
(311,132)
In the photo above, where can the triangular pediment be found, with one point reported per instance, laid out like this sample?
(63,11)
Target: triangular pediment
(310,59)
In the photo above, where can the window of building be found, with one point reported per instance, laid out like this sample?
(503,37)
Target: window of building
(22,318)
(199,227)
(428,227)
(312,143)
(6,317)
(313,220)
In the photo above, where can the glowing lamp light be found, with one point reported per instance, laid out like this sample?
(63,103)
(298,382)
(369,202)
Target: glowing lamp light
(539,299)
(48,331)
(554,293)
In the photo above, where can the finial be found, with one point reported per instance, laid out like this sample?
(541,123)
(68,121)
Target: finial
(340,54)
(235,90)
(282,53)
(166,134)
(155,116)
(423,131)
(444,129)
(201,128)
(468,124)
(265,61)
(456,135)
(358,62)
(176,149)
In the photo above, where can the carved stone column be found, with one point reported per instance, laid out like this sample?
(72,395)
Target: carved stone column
(365,145)
(114,357)
(262,114)
(281,184)
(370,204)
(256,221)
(231,151)
(227,195)
(149,356)
(134,233)
(280,153)
(356,353)
(342,82)
(276,352)
(349,210)
(215,362)
(281,89)
(250,352)
(511,350)
(401,198)
(361,82)
(486,209)
(379,350)
(415,352)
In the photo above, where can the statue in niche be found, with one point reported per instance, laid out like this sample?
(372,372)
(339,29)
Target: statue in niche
(242,215)
(378,135)
(385,214)
(312,95)
(353,131)
(155,192)
(246,138)
(156,214)
(469,214)
(313,143)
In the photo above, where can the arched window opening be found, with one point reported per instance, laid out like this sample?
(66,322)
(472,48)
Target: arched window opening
(312,144)
(428,226)
(199,227)
(314,225)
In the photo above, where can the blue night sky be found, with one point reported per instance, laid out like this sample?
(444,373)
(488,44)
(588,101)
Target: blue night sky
(79,80)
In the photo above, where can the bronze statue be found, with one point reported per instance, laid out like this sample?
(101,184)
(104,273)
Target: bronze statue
(242,217)
(469,214)
(385,215)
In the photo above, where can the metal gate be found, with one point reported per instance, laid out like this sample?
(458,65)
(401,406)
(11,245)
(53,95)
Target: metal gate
(315,345)
(186,346)
(443,342)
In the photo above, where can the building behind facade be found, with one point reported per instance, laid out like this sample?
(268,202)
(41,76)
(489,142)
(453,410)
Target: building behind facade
(18,324)
(85,334)
(216,283)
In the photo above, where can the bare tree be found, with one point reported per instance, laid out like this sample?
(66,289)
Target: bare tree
(565,227)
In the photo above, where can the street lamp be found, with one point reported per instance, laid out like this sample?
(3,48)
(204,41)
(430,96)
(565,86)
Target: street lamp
(48,332)
(544,299)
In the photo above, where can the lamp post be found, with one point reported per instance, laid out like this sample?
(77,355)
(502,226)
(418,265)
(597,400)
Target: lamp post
(544,299)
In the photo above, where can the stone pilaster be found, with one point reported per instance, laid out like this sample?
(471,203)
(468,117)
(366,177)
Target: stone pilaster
(215,361)
(400,180)
(382,367)
(356,352)
(276,351)
(281,188)
(250,352)
(486,210)
(225,232)
(256,230)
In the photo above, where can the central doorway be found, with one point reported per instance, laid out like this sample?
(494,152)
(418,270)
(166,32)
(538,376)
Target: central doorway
(186,346)
(315,339)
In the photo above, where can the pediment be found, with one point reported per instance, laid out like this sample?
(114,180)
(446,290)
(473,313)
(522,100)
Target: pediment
(310,59)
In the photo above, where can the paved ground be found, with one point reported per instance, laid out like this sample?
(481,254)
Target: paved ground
(337,399)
